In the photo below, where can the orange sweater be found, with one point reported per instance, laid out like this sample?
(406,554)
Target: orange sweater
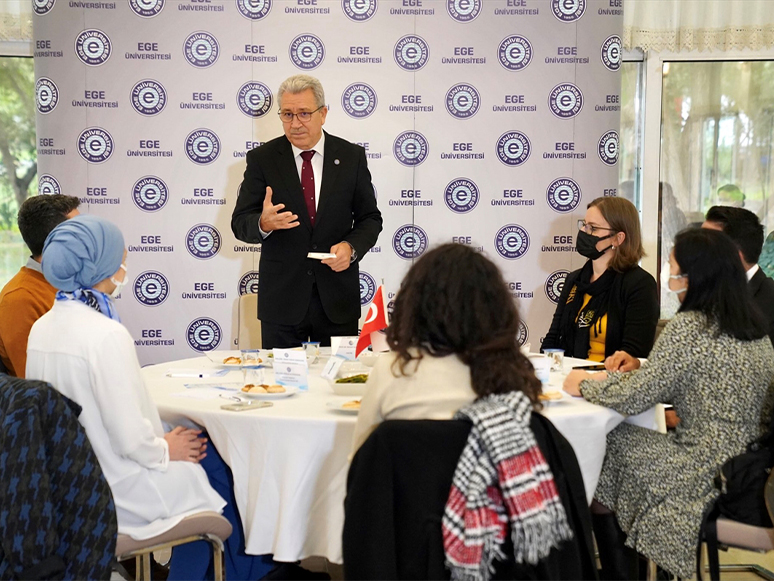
(27,297)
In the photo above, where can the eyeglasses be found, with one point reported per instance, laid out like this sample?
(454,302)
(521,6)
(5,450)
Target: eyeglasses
(303,117)
(589,229)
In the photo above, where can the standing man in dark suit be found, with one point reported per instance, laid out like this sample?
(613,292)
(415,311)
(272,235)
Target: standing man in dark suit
(744,228)
(307,191)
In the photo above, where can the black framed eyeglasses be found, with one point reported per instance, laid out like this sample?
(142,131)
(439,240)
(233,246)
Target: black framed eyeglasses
(303,116)
(589,229)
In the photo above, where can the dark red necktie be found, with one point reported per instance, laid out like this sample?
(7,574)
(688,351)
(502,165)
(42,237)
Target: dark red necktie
(307,183)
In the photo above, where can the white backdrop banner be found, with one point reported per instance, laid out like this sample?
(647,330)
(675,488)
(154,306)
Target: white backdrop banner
(487,122)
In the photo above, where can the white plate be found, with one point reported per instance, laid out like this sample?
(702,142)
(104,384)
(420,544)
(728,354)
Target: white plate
(289,390)
(564,395)
(336,406)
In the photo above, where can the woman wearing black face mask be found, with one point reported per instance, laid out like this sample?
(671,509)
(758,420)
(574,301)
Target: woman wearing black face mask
(610,304)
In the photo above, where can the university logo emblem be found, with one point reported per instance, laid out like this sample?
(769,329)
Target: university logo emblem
(515,52)
(150,194)
(203,334)
(95,145)
(93,47)
(410,148)
(409,241)
(461,195)
(511,241)
(463,101)
(307,51)
(411,52)
(151,288)
(46,95)
(513,148)
(203,241)
(359,10)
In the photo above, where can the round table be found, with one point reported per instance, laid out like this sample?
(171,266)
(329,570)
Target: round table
(289,461)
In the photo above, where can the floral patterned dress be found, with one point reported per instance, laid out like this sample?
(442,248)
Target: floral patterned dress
(659,485)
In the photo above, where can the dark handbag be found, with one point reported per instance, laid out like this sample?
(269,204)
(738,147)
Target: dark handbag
(741,481)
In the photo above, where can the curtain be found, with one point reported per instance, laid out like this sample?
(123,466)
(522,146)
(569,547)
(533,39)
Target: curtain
(15,20)
(685,25)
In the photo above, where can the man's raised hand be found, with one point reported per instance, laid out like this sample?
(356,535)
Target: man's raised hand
(272,218)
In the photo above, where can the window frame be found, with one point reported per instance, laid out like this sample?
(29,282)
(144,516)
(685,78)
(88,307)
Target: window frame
(651,144)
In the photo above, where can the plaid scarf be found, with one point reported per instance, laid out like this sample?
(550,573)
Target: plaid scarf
(501,480)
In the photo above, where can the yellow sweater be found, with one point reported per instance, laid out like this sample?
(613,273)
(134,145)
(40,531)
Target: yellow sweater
(596,340)
(27,297)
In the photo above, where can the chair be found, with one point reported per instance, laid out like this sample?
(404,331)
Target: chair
(204,526)
(660,327)
(249,334)
(56,508)
(397,489)
(721,532)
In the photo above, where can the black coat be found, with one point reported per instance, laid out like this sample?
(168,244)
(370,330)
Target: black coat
(397,489)
(346,212)
(632,315)
(762,290)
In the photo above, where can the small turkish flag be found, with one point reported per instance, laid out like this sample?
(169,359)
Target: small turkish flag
(376,320)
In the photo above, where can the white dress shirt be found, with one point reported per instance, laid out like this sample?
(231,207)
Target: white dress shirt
(751,273)
(317,170)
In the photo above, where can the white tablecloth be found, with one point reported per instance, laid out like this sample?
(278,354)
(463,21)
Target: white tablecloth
(290,461)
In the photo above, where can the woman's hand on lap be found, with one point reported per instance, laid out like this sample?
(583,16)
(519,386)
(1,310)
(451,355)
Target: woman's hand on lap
(186,445)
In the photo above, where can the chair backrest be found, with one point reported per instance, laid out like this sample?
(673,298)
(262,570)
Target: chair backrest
(660,327)
(249,335)
(768,495)
(397,489)
(60,520)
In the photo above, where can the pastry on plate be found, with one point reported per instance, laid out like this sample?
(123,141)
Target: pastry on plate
(275,389)
(232,361)
(252,388)
(550,396)
(351,405)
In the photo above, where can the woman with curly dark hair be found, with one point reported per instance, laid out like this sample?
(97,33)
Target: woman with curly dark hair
(453,339)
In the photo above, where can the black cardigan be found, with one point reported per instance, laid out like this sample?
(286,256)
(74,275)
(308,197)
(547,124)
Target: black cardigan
(632,315)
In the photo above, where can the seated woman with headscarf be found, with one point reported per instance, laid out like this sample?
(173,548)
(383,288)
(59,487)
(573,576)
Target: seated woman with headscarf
(84,351)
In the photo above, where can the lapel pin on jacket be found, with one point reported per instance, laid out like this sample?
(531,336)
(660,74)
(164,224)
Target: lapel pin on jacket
(335,162)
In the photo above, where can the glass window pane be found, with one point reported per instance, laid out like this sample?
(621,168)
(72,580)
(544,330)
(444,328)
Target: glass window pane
(717,129)
(630,138)
(18,157)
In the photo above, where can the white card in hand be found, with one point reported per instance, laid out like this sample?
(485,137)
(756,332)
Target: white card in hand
(320,255)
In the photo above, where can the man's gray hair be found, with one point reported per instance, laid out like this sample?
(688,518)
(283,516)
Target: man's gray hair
(298,84)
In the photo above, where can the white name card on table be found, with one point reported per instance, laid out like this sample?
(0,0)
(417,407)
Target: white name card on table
(290,368)
(332,367)
(344,347)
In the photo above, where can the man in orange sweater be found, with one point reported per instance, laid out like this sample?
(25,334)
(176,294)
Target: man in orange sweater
(28,296)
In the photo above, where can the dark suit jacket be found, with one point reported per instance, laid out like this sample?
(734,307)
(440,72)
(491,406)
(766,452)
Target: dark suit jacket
(762,291)
(346,212)
(632,315)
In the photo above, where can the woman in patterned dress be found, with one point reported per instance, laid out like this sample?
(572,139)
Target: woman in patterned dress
(714,363)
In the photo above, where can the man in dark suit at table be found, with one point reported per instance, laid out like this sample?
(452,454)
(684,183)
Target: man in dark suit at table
(307,191)
(744,228)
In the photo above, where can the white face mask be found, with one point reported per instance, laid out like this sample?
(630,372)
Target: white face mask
(119,284)
(665,278)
